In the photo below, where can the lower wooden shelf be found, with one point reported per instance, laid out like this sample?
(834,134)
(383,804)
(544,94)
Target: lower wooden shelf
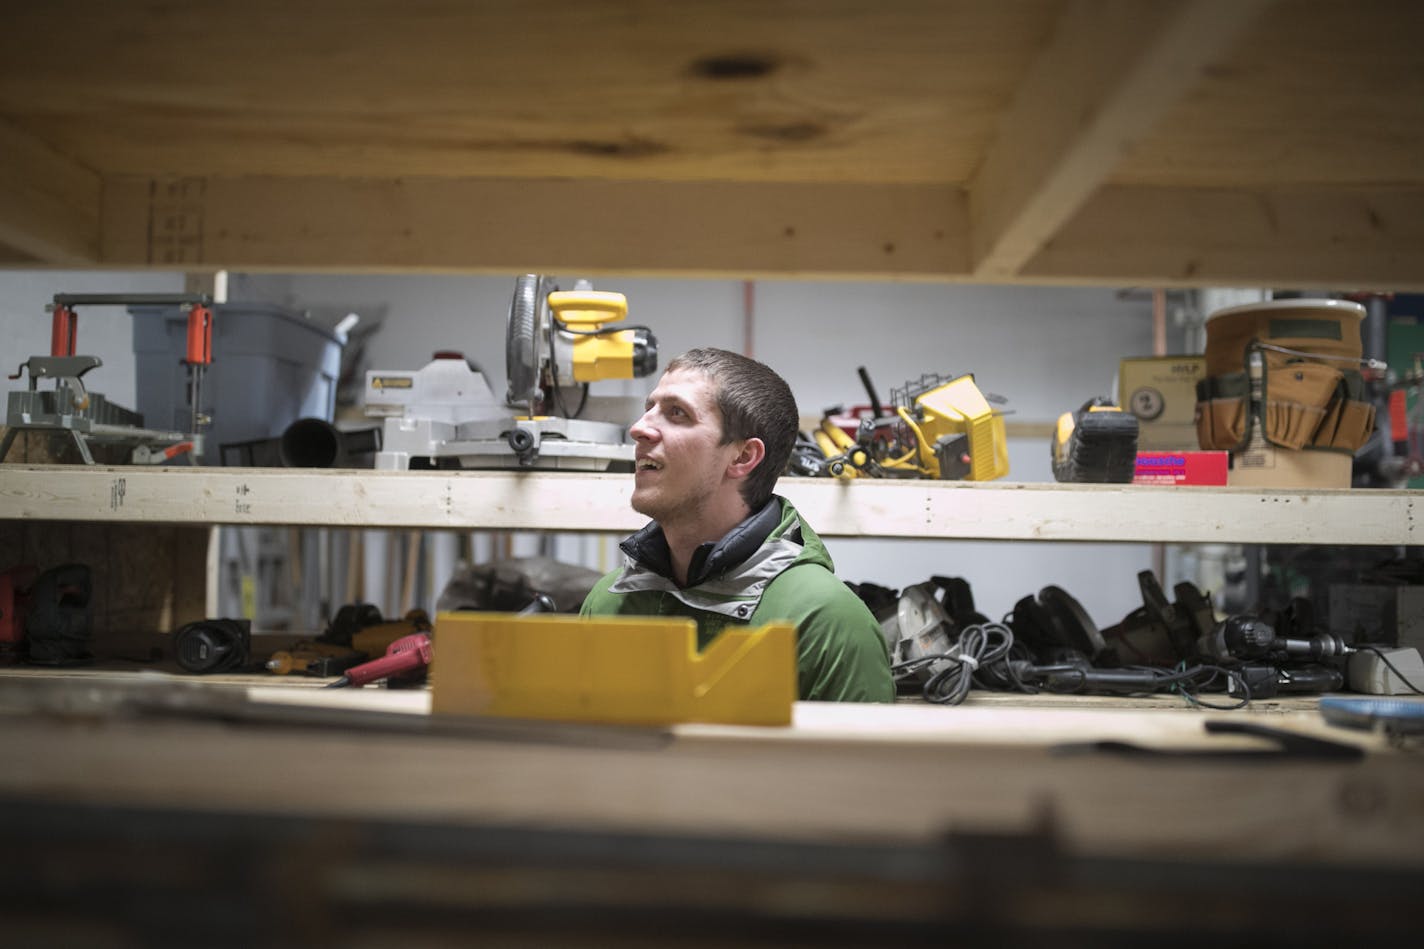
(897,820)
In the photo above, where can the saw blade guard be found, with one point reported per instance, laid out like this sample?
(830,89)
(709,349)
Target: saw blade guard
(526,347)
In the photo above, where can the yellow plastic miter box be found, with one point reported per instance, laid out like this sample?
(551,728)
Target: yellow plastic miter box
(1268,466)
(615,670)
(1162,392)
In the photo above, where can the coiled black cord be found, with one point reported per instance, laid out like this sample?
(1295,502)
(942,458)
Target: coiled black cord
(978,646)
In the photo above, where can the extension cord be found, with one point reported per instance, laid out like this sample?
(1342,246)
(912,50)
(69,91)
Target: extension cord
(1369,674)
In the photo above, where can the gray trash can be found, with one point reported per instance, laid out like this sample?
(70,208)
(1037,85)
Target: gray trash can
(271,366)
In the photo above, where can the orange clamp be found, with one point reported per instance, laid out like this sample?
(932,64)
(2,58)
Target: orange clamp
(64,331)
(200,336)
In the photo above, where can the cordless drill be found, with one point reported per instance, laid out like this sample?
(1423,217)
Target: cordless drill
(1239,639)
(1254,651)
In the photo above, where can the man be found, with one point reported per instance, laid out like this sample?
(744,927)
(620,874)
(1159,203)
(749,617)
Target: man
(722,548)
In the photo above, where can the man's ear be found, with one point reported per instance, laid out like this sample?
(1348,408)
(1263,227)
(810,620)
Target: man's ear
(752,452)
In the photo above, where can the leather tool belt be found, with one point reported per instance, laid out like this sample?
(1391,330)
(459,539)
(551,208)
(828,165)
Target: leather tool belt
(1312,393)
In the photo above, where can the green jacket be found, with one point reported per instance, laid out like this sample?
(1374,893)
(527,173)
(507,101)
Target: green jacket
(770,567)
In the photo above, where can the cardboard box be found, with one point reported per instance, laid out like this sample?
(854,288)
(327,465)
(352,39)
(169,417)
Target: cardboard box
(1162,392)
(1270,467)
(1181,467)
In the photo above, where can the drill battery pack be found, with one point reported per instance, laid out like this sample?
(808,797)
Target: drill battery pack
(1096,444)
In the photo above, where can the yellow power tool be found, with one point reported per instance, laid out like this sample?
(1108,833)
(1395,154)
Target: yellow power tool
(557,343)
(954,433)
(559,339)
(1097,443)
(845,458)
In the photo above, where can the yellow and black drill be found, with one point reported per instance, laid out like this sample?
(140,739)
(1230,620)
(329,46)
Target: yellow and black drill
(1097,443)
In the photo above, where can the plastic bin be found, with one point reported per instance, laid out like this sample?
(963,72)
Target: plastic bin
(271,366)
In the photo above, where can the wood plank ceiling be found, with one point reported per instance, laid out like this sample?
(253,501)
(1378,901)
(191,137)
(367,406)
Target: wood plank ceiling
(1181,142)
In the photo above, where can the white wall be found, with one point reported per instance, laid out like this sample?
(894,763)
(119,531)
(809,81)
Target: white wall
(1046,350)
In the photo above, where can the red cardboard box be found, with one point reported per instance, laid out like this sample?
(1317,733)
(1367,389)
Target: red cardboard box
(1181,467)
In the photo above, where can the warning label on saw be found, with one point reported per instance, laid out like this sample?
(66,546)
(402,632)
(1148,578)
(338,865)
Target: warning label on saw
(392,382)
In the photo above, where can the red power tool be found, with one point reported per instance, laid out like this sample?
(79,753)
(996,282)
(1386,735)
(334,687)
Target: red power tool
(15,587)
(405,656)
(411,654)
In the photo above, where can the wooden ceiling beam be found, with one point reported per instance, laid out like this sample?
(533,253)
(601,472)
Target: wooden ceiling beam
(1352,238)
(514,226)
(1124,235)
(10,257)
(1107,75)
(49,204)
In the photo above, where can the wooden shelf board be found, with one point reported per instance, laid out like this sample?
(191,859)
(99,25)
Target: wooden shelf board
(575,502)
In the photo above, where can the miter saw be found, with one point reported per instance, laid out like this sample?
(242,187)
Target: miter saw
(445,415)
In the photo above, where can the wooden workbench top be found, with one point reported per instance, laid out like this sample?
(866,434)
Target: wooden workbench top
(1110,776)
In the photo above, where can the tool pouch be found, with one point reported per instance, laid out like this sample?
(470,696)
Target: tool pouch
(1304,405)
(1311,405)
(1222,403)
(1311,397)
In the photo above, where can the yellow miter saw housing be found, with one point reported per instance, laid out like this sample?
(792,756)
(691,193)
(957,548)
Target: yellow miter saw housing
(594,352)
(446,416)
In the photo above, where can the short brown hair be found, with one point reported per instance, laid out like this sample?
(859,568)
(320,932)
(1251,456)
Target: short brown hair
(754,402)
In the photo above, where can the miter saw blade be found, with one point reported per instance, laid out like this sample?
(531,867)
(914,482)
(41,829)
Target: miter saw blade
(526,340)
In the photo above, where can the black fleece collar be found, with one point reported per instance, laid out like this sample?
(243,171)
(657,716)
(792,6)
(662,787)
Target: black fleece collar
(650,548)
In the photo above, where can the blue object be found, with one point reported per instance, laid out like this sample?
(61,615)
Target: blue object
(1400,716)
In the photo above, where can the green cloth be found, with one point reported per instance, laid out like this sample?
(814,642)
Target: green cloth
(841,654)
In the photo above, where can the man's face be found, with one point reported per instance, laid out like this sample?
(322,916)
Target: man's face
(680,461)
